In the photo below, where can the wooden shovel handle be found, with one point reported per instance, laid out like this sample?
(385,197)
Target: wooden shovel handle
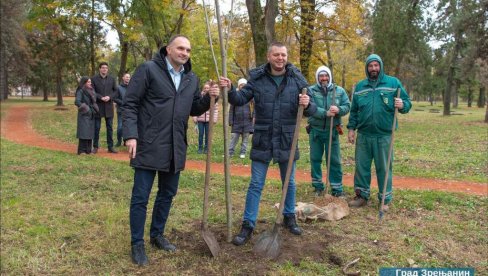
(208,162)
(327,180)
(390,152)
(279,217)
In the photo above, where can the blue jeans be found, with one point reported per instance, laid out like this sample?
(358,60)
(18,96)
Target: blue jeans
(258,178)
(119,128)
(202,130)
(143,182)
(98,126)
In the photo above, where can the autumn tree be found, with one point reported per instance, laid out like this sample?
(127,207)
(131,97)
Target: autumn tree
(119,17)
(13,52)
(159,21)
(262,24)
(60,28)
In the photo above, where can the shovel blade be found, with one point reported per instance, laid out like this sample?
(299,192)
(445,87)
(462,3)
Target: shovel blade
(211,242)
(268,244)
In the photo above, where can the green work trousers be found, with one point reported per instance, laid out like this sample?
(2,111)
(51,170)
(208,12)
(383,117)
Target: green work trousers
(368,149)
(319,144)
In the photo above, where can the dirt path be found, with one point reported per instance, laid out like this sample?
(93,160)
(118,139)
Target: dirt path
(16,127)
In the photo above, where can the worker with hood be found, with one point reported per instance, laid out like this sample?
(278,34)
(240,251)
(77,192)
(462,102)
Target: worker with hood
(372,113)
(319,130)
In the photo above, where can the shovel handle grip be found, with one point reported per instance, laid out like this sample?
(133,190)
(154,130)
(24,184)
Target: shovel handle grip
(294,143)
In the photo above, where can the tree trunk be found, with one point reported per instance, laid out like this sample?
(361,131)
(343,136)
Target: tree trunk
(450,77)
(270,13)
(329,58)
(447,91)
(344,70)
(307,23)
(481,97)
(147,53)
(59,87)
(3,75)
(486,113)
(124,52)
(45,93)
(92,40)
(455,96)
(452,67)
(257,21)
(470,96)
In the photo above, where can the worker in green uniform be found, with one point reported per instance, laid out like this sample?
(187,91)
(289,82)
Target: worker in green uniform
(319,130)
(372,112)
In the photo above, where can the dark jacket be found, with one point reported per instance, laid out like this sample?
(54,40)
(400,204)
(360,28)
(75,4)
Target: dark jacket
(119,97)
(240,118)
(275,111)
(105,87)
(87,110)
(157,115)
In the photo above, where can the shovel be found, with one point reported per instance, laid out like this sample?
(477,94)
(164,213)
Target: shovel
(390,152)
(268,243)
(207,235)
(327,181)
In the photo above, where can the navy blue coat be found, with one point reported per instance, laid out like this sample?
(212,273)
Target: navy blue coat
(240,118)
(275,113)
(119,97)
(157,115)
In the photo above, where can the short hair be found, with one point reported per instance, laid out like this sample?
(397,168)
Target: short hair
(276,44)
(102,64)
(174,37)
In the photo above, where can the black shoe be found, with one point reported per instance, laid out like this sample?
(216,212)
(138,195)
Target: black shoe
(244,236)
(290,223)
(95,150)
(162,243)
(138,254)
(112,150)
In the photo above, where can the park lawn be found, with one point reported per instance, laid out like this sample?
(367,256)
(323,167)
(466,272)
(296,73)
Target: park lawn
(68,214)
(426,144)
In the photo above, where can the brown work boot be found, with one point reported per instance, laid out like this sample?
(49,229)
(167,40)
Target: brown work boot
(357,202)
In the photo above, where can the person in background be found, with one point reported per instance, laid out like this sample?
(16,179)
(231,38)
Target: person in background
(87,110)
(276,89)
(162,95)
(119,100)
(372,112)
(105,89)
(202,122)
(319,130)
(241,119)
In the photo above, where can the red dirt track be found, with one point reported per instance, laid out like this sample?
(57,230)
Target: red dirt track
(16,127)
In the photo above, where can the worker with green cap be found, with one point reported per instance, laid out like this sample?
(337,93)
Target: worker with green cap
(372,114)
(319,130)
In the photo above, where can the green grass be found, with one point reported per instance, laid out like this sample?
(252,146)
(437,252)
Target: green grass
(68,214)
(426,144)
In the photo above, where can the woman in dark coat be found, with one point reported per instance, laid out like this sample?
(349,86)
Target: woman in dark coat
(87,109)
(241,120)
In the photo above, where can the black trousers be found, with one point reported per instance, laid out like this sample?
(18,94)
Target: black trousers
(84,146)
